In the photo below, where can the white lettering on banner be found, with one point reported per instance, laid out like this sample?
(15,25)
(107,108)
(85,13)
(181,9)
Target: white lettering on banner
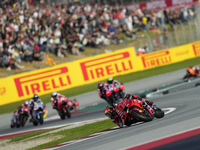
(156,4)
(180,2)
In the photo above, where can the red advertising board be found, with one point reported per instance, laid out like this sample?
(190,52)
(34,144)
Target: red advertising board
(162,4)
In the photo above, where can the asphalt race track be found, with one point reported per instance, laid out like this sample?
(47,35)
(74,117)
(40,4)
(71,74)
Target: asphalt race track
(185,117)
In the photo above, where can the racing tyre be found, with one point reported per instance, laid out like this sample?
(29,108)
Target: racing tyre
(62,117)
(12,125)
(68,113)
(159,113)
(41,118)
(187,76)
(127,123)
(141,117)
(23,121)
(18,123)
(35,123)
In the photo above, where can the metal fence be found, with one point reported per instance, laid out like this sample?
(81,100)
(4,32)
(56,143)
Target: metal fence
(171,35)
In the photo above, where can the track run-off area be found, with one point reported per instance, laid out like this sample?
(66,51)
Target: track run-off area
(179,129)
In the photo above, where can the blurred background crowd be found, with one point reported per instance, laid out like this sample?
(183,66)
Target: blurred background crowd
(27,33)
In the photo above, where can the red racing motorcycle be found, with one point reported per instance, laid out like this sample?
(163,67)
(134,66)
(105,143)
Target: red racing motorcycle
(133,111)
(22,117)
(192,72)
(63,108)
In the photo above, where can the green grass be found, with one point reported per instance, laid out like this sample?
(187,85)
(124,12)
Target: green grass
(77,133)
(28,135)
(123,78)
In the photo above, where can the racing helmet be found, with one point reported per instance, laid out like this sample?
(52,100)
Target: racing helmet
(35,97)
(100,85)
(26,103)
(54,95)
(110,80)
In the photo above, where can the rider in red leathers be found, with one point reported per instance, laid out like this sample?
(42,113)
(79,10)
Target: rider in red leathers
(55,97)
(114,113)
(75,104)
(17,113)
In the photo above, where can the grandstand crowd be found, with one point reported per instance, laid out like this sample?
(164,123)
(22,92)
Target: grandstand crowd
(26,33)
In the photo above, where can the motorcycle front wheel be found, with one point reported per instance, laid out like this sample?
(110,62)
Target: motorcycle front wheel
(68,113)
(41,118)
(23,121)
(18,123)
(35,123)
(141,116)
(62,115)
(159,113)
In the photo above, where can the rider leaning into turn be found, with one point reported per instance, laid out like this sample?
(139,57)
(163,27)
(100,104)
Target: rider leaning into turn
(194,71)
(102,88)
(102,92)
(17,112)
(31,104)
(112,81)
(55,97)
(113,112)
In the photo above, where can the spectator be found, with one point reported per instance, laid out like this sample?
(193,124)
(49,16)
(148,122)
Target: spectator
(25,33)
(28,56)
(141,51)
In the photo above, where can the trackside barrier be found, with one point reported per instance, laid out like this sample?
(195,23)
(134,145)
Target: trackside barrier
(187,84)
(89,70)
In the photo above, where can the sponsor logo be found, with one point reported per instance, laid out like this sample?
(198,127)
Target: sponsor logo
(109,65)
(196,48)
(2,91)
(180,2)
(156,59)
(42,81)
(182,53)
(156,4)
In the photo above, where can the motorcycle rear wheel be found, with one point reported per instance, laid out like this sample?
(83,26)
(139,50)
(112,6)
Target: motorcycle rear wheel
(62,117)
(141,117)
(35,123)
